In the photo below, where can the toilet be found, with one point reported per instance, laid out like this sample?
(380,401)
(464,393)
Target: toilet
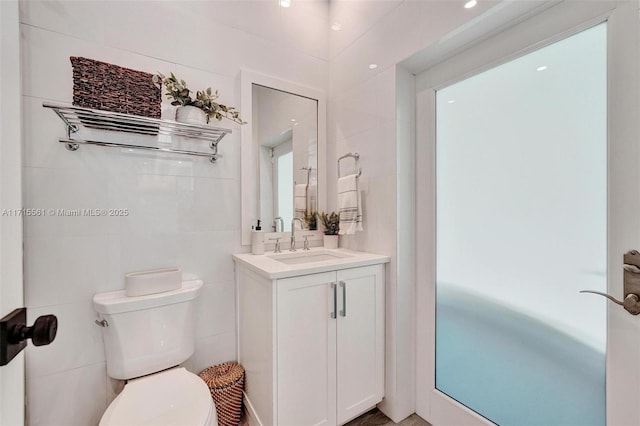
(146,338)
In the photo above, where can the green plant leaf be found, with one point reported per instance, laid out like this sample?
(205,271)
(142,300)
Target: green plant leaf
(179,94)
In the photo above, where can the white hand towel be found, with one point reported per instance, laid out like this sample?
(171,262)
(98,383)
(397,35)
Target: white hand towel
(300,202)
(350,205)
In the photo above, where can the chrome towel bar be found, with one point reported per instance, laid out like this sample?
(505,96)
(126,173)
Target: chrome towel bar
(356,157)
(72,145)
(76,117)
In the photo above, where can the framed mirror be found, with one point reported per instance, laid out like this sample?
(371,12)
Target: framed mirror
(282,152)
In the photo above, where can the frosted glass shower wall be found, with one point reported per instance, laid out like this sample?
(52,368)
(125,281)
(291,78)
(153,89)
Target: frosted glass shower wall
(521,228)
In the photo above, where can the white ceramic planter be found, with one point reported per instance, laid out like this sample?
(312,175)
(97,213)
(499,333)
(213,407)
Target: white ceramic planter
(331,241)
(191,115)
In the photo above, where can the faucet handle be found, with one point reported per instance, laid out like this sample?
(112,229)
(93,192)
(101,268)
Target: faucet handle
(277,247)
(306,240)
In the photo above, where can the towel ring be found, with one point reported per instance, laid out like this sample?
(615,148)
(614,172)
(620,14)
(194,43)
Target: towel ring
(356,157)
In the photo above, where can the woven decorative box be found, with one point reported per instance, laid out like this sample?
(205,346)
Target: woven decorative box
(108,87)
(226,383)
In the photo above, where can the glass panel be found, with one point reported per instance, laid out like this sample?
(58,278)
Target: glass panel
(521,228)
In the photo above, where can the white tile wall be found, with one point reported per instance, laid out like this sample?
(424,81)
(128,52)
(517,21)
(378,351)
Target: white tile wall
(76,397)
(83,261)
(183,211)
(365,115)
(78,342)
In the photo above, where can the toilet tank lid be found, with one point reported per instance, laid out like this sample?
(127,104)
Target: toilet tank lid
(115,302)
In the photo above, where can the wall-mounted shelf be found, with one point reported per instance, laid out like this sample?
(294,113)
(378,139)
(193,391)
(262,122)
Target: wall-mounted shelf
(76,117)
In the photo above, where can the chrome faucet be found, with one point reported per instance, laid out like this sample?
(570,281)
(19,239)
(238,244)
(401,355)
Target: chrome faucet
(293,232)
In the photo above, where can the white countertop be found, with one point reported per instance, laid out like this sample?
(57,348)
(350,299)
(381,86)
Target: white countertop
(267,266)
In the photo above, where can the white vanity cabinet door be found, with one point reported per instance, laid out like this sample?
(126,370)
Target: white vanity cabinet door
(360,340)
(306,350)
(303,366)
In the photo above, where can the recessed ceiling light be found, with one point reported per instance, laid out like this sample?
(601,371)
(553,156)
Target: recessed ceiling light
(373,66)
(293,120)
(470,4)
(285,3)
(451,101)
(542,68)
(336,26)
(295,124)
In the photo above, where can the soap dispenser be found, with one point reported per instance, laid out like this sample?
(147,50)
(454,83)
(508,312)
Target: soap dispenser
(257,240)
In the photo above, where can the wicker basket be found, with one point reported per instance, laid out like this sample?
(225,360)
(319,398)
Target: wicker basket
(99,85)
(226,383)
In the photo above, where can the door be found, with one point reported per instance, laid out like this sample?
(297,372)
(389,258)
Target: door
(306,350)
(12,374)
(360,339)
(534,158)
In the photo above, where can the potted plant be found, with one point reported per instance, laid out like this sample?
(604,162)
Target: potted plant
(331,223)
(199,110)
(312,220)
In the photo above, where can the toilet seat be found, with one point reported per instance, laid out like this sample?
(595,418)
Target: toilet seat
(169,398)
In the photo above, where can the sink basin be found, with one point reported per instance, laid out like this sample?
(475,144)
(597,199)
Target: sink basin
(308,257)
(288,264)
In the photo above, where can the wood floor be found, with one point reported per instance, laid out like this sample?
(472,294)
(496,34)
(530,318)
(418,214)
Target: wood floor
(372,418)
(376,418)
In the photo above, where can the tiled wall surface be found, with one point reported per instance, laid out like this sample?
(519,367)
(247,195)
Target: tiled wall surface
(184,211)
(363,118)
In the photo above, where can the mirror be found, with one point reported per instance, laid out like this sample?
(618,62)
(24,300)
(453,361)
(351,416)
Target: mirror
(282,156)
(285,138)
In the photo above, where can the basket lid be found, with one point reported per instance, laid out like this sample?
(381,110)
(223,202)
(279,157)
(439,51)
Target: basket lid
(170,398)
(222,375)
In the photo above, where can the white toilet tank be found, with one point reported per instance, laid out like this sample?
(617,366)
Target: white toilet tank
(146,334)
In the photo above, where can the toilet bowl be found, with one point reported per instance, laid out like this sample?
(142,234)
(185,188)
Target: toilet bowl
(145,338)
(174,397)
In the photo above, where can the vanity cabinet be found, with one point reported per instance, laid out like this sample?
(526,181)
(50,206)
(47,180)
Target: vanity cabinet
(312,345)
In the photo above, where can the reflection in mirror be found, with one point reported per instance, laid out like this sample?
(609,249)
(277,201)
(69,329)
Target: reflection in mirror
(285,134)
(275,149)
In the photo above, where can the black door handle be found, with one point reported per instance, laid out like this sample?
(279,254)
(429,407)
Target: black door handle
(14,333)
(42,332)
